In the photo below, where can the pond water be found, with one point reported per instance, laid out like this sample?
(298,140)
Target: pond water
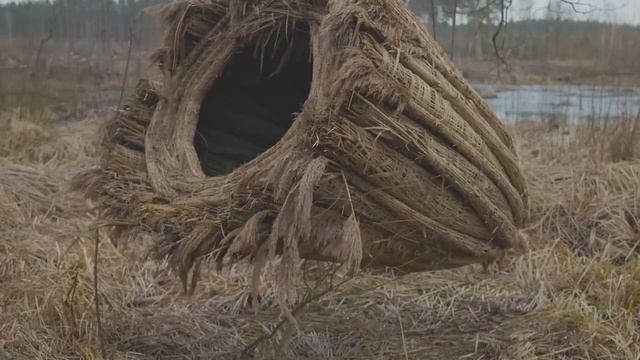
(575,103)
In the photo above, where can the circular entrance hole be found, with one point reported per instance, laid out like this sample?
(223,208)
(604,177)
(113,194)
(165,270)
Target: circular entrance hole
(253,104)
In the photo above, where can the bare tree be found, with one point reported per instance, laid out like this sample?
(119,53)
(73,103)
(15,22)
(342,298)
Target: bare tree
(579,6)
(43,41)
(475,23)
(9,20)
(123,21)
(504,6)
(434,18)
(453,27)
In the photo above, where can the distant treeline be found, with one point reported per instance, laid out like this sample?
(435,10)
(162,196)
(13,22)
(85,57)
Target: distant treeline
(101,21)
(590,43)
(554,38)
(467,28)
(610,45)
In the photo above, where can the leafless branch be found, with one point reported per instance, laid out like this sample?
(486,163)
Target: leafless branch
(96,292)
(487,6)
(295,311)
(494,39)
(579,7)
(126,68)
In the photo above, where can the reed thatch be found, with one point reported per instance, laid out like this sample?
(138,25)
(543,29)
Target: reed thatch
(390,158)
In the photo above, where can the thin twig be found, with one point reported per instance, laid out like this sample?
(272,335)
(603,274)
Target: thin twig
(294,312)
(575,4)
(96,294)
(96,253)
(126,69)
(633,136)
(402,337)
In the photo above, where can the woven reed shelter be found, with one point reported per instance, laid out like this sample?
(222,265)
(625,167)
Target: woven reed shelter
(310,129)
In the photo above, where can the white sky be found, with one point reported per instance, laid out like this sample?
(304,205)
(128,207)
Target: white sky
(619,11)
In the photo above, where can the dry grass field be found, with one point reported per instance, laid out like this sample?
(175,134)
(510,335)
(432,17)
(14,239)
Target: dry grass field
(573,294)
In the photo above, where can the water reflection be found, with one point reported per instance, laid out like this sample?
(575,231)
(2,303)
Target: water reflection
(574,103)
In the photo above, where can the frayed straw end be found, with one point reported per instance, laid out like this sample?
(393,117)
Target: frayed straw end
(352,240)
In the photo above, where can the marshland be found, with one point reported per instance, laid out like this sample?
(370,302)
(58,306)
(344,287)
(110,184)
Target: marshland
(561,75)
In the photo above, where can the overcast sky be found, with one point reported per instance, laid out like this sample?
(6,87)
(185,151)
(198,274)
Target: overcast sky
(619,11)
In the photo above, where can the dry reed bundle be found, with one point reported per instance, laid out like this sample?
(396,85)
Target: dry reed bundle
(25,193)
(327,130)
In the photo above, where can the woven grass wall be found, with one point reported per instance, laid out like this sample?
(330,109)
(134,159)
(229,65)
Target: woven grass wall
(327,130)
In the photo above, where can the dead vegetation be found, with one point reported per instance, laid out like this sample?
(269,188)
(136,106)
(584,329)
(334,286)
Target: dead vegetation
(573,294)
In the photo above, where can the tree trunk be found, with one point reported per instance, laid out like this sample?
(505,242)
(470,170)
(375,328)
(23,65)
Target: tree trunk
(453,28)
(103,26)
(612,39)
(434,19)
(9,20)
(475,20)
(122,21)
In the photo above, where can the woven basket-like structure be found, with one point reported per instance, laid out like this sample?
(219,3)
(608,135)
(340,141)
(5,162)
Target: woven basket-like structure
(390,158)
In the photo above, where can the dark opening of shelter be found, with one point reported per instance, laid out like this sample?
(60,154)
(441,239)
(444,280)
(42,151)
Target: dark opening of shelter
(254,102)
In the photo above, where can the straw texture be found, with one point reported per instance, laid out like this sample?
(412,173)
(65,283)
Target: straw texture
(394,159)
